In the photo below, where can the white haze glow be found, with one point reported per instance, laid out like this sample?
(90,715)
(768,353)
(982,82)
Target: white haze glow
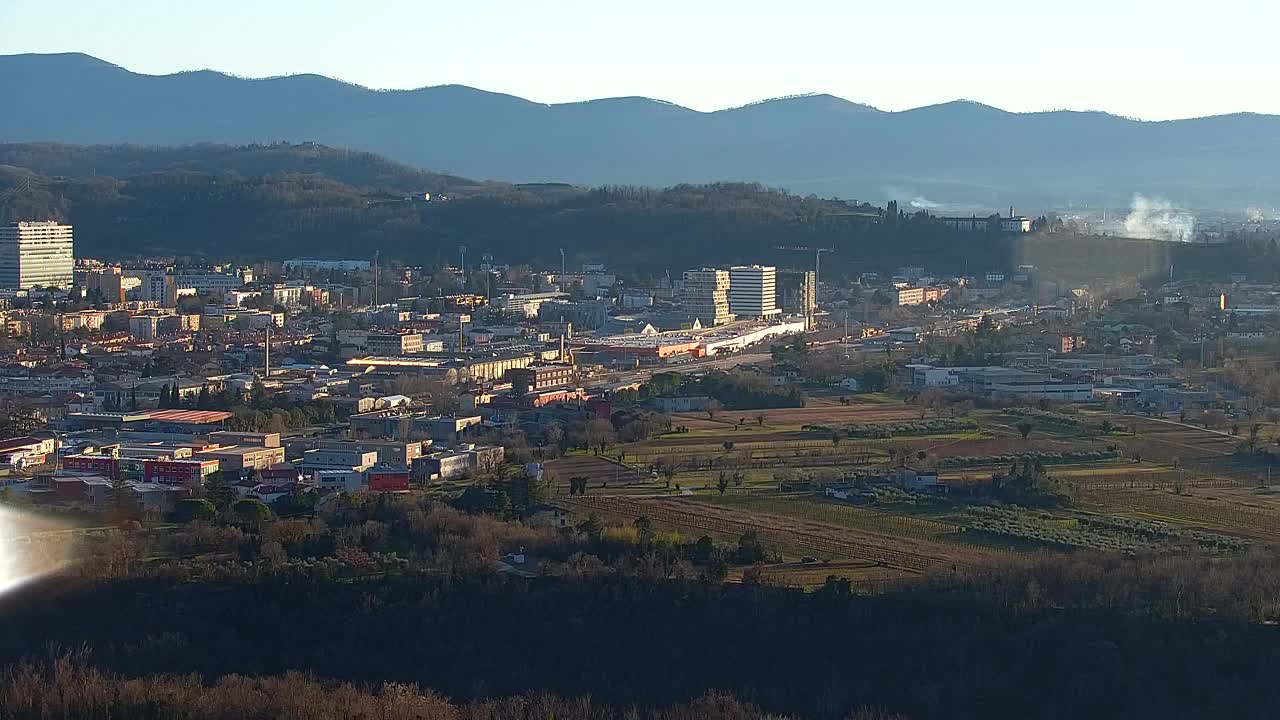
(1157,219)
(29,548)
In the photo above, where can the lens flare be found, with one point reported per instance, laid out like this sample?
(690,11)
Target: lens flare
(31,546)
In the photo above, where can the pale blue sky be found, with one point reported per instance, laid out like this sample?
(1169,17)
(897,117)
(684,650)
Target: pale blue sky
(1153,59)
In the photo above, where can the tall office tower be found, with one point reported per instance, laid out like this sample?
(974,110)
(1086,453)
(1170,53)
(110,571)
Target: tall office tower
(36,254)
(706,295)
(753,291)
(798,293)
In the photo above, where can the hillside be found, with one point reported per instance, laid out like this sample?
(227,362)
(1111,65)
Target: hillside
(349,204)
(357,169)
(960,153)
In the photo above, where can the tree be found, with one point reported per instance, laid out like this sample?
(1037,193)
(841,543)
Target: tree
(204,401)
(195,510)
(703,551)
(133,398)
(644,526)
(598,433)
(750,548)
(722,482)
(295,504)
(1024,428)
(760,420)
(553,433)
(591,527)
(712,407)
(218,492)
(251,511)
(727,445)
(928,399)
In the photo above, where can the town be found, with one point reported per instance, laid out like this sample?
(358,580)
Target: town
(297,381)
(712,361)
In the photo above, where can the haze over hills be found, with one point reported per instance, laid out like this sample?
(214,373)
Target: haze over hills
(955,154)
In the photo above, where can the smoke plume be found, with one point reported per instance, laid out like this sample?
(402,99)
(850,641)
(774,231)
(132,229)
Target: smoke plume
(1158,219)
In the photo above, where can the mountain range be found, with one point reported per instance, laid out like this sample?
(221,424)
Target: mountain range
(958,155)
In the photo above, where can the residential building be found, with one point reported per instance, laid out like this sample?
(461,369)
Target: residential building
(706,295)
(154,285)
(106,282)
(396,343)
(389,452)
(314,264)
(244,457)
(36,254)
(144,327)
(753,291)
(525,304)
(231,437)
(443,465)
(447,429)
(536,378)
(338,458)
(588,315)
(187,473)
(909,296)
(214,283)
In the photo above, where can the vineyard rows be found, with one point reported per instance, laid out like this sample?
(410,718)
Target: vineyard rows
(805,541)
(849,515)
(1175,509)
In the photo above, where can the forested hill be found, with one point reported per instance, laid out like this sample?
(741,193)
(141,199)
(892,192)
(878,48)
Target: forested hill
(358,169)
(281,201)
(962,153)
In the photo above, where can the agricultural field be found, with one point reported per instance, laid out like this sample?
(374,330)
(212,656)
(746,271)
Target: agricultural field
(816,411)
(1163,441)
(1235,510)
(795,536)
(1129,495)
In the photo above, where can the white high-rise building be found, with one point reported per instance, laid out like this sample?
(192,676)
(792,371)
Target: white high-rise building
(706,295)
(36,254)
(753,291)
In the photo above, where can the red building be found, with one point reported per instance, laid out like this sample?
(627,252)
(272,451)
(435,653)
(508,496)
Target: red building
(187,473)
(103,465)
(387,479)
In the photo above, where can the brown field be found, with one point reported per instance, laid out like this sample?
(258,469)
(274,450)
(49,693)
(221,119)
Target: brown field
(817,411)
(1164,441)
(814,575)
(589,466)
(822,540)
(1235,510)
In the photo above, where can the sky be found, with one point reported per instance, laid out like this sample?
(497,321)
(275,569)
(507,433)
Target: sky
(1151,59)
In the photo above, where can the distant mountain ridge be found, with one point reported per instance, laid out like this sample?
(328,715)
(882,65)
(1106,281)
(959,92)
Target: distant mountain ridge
(962,153)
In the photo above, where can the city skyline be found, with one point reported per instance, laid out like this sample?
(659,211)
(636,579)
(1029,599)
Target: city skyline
(712,56)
